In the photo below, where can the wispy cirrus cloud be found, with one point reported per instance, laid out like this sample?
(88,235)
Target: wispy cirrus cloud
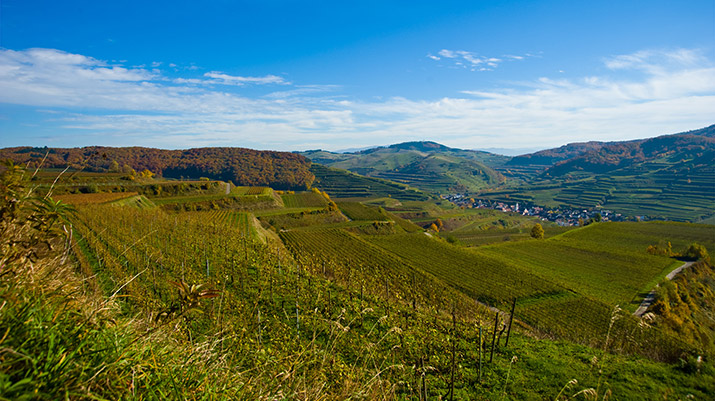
(219,77)
(103,103)
(657,61)
(471,60)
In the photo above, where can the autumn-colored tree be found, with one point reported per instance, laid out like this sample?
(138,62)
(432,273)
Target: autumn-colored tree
(696,252)
(434,228)
(537,231)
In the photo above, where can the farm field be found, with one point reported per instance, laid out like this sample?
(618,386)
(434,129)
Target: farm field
(612,277)
(660,195)
(495,235)
(342,184)
(482,278)
(241,198)
(240,220)
(363,288)
(358,264)
(546,302)
(86,199)
(360,212)
(605,261)
(304,199)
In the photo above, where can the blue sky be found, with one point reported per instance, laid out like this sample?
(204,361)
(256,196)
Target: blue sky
(294,75)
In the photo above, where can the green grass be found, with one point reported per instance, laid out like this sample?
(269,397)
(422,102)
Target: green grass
(561,283)
(607,276)
(261,199)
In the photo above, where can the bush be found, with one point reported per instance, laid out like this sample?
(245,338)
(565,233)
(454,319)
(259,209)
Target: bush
(538,231)
(696,252)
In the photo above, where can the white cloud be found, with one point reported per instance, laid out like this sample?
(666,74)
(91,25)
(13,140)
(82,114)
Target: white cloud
(663,92)
(657,61)
(219,77)
(302,90)
(472,61)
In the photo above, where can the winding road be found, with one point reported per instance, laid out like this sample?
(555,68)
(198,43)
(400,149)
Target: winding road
(648,300)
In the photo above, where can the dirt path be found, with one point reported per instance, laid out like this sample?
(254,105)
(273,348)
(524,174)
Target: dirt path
(648,300)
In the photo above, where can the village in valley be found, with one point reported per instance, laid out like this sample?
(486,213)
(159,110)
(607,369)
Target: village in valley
(561,216)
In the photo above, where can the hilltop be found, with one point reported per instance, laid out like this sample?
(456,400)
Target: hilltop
(428,166)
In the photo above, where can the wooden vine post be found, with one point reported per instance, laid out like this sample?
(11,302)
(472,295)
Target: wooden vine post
(480,353)
(494,336)
(414,292)
(454,352)
(424,382)
(511,318)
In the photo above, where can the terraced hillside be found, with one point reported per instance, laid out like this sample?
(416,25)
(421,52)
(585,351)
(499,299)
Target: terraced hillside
(428,166)
(344,184)
(670,177)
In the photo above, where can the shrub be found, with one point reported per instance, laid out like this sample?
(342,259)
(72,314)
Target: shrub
(696,252)
(537,231)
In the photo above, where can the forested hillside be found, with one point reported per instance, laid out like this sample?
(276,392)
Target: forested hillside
(279,170)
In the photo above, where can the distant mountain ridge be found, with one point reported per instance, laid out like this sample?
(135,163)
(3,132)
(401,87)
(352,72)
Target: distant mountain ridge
(610,150)
(420,146)
(695,145)
(670,177)
(427,165)
(666,177)
(552,156)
